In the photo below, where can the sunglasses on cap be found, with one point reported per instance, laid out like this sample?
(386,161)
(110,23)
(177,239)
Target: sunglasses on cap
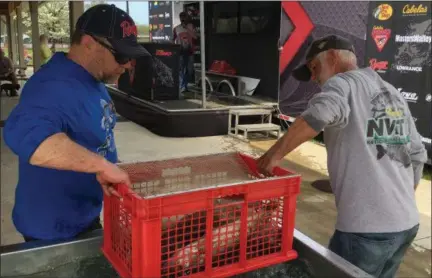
(120,59)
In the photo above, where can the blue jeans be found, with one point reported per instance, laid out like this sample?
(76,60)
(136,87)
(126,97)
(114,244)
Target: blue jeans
(186,70)
(379,254)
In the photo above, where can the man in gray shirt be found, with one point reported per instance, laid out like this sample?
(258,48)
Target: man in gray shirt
(375,155)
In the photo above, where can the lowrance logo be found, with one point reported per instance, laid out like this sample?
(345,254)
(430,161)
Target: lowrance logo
(407,68)
(409,96)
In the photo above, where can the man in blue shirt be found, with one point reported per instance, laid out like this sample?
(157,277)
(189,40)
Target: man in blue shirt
(62,129)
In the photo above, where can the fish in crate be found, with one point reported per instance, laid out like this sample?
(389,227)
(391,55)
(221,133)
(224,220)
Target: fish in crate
(187,254)
(208,215)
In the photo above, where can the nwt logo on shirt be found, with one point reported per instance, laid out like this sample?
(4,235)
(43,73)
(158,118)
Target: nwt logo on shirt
(387,125)
(387,129)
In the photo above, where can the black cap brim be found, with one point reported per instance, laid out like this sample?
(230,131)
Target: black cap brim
(129,48)
(302,73)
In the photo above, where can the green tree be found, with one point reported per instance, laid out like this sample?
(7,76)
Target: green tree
(53,20)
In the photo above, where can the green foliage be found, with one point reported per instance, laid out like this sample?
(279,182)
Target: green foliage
(143,30)
(53,20)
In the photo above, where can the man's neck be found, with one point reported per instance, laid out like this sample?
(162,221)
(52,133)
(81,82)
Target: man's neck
(347,67)
(81,60)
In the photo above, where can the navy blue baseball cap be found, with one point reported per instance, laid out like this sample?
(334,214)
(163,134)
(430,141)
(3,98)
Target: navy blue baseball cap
(115,25)
(302,73)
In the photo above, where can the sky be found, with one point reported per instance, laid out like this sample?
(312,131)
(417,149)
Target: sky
(138,10)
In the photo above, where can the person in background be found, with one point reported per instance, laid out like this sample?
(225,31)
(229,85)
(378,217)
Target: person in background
(184,34)
(62,129)
(45,51)
(7,73)
(160,33)
(375,155)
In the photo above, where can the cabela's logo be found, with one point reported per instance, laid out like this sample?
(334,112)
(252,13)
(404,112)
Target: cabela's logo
(381,36)
(383,12)
(413,10)
(379,66)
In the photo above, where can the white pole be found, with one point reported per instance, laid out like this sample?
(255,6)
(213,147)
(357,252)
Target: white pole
(20,36)
(202,49)
(34,17)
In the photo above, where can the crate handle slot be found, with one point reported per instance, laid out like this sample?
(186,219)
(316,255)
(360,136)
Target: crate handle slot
(125,194)
(229,200)
(253,167)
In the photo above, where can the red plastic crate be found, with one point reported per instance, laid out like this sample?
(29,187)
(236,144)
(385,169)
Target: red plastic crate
(161,226)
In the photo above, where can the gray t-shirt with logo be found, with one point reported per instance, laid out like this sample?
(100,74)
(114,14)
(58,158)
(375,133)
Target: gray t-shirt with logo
(375,154)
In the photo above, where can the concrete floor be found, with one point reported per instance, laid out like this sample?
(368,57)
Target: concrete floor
(316,212)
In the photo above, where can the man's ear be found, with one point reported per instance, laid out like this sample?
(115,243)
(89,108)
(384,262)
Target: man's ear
(87,41)
(332,56)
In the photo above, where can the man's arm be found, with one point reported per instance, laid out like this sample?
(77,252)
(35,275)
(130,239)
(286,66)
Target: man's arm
(35,130)
(298,133)
(174,35)
(191,31)
(9,66)
(328,108)
(417,150)
(59,152)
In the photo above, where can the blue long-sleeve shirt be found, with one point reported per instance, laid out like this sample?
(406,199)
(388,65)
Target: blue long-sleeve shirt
(61,97)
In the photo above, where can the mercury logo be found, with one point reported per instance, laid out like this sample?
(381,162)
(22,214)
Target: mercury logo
(409,96)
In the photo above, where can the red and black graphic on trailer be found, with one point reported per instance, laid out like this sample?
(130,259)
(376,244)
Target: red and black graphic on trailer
(301,23)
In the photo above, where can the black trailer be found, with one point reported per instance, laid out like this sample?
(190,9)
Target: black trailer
(263,42)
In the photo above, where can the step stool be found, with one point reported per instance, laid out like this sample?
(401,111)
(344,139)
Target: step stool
(267,127)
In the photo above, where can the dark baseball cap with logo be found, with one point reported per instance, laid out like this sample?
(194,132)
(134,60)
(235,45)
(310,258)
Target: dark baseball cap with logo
(115,25)
(303,73)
